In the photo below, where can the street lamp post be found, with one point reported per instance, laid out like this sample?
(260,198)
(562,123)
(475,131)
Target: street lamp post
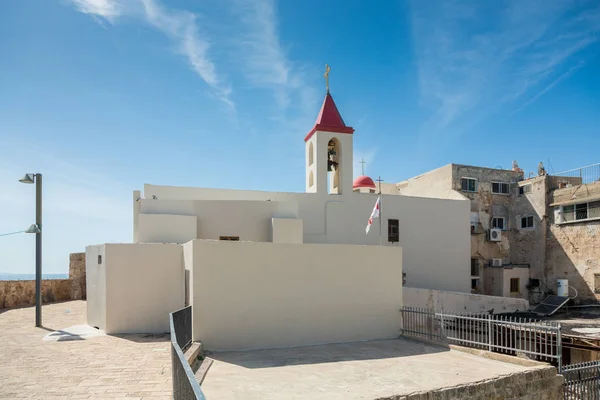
(37,178)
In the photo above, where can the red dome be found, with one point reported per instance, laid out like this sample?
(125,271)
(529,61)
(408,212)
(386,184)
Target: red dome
(363,182)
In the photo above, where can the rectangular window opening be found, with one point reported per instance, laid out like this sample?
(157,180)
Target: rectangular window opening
(515,284)
(474,267)
(527,222)
(499,223)
(468,184)
(500,188)
(581,211)
(474,284)
(393,231)
(230,238)
(525,189)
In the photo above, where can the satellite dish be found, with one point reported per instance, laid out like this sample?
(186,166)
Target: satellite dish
(541,169)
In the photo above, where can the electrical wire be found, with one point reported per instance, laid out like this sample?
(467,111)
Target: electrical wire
(11,233)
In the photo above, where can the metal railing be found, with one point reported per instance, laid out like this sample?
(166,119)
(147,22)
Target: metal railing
(185,385)
(582,381)
(539,340)
(587,174)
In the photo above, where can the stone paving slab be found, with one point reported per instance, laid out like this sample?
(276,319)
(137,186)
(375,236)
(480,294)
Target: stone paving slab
(364,370)
(104,367)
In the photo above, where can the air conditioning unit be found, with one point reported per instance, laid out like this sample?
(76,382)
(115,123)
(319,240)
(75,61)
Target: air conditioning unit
(495,235)
(496,262)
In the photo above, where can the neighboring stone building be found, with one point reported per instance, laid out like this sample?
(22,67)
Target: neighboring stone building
(525,233)
(491,193)
(573,239)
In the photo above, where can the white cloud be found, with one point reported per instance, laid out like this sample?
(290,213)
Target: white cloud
(179,25)
(480,57)
(108,9)
(266,63)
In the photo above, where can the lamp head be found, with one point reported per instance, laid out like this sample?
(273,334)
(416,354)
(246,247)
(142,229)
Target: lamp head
(27,178)
(33,228)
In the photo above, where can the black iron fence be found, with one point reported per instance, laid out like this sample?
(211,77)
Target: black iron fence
(582,381)
(185,385)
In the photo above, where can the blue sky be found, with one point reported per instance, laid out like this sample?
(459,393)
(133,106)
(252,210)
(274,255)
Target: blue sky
(102,96)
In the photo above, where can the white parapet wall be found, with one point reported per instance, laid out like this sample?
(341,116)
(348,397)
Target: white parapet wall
(454,302)
(249,295)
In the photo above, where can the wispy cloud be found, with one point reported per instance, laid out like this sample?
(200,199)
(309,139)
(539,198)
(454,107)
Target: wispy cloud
(550,86)
(480,57)
(266,63)
(179,25)
(107,9)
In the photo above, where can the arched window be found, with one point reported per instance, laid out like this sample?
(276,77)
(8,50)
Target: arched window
(311,180)
(310,154)
(334,155)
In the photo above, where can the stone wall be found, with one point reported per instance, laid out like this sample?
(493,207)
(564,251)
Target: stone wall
(572,250)
(22,293)
(573,253)
(535,384)
(77,274)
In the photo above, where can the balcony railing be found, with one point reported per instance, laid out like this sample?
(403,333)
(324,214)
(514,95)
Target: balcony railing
(587,174)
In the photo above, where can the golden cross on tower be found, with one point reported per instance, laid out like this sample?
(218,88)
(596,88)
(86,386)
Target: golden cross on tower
(326,76)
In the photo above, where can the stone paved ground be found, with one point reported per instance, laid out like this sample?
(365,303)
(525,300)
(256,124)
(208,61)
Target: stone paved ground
(107,367)
(380,369)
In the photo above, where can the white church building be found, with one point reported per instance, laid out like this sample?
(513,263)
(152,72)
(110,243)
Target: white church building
(275,269)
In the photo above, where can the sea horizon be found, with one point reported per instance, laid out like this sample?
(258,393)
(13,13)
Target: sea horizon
(7,276)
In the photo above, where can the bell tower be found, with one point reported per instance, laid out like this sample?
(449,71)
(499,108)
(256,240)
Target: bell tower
(329,150)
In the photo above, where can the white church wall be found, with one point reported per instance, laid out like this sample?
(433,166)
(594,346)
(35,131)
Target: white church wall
(258,295)
(287,230)
(188,266)
(95,280)
(434,233)
(249,220)
(167,228)
(143,284)
(197,193)
(453,302)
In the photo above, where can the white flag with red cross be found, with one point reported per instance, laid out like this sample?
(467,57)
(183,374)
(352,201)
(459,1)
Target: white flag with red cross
(374,214)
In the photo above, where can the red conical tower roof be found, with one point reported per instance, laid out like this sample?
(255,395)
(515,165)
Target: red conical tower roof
(329,119)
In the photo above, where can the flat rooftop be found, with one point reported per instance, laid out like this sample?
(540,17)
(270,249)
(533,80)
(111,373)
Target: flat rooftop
(364,370)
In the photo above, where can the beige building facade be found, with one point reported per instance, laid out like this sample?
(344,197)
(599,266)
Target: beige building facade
(490,193)
(526,234)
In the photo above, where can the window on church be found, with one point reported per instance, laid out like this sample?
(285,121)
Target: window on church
(231,238)
(393,231)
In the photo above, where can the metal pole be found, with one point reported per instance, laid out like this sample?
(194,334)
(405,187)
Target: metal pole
(380,209)
(559,348)
(38,250)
